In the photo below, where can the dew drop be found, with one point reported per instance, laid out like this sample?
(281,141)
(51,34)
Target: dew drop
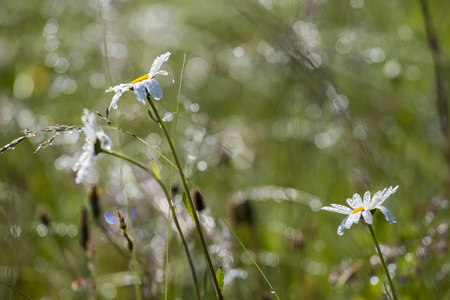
(173,79)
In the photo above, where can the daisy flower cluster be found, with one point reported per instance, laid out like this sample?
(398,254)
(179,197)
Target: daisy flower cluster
(363,208)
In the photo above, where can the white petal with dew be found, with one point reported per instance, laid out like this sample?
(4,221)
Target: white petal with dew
(119,90)
(366,198)
(367,215)
(157,63)
(387,213)
(355,201)
(140,93)
(353,219)
(337,208)
(381,196)
(154,89)
(83,165)
(342,227)
(104,140)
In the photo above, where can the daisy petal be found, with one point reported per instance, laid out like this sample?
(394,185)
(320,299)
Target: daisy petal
(86,160)
(376,199)
(380,197)
(105,141)
(367,215)
(119,90)
(340,209)
(154,89)
(391,190)
(355,201)
(140,93)
(157,63)
(342,227)
(366,197)
(353,219)
(387,213)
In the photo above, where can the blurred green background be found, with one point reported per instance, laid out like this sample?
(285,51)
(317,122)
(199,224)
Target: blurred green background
(285,106)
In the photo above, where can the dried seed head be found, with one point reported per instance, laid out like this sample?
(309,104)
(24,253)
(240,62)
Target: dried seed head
(199,202)
(129,242)
(84,230)
(121,218)
(175,190)
(94,200)
(43,217)
(242,212)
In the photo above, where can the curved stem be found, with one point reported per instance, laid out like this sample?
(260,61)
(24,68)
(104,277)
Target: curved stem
(166,193)
(188,195)
(383,263)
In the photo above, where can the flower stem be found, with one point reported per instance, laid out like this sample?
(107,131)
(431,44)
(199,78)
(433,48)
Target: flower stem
(383,263)
(166,193)
(188,195)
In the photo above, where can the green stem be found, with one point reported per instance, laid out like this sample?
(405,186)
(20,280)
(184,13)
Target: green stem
(383,263)
(188,194)
(129,159)
(137,290)
(13,288)
(167,258)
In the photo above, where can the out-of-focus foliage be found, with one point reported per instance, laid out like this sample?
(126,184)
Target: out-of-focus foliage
(285,106)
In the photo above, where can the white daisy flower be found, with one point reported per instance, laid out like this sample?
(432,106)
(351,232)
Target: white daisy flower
(363,207)
(142,85)
(86,159)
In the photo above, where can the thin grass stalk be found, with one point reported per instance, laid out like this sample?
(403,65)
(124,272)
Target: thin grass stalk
(166,193)
(170,182)
(394,296)
(105,44)
(138,282)
(167,256)
(188,195)
(15,289)
(442,101)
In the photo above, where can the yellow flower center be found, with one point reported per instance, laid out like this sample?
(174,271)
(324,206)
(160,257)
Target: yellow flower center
(358,209)
(142,78)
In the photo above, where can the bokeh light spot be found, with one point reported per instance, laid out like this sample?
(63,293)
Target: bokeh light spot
(23,86)
(357,4)
(374,280)
(109,291)
(42,230)
(40,264)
